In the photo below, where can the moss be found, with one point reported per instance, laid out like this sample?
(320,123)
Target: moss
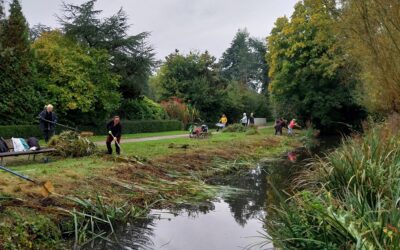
(25,229)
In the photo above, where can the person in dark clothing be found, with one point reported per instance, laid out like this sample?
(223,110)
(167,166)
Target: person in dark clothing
(251,119)
(115,128)
(47,122)
(279,125)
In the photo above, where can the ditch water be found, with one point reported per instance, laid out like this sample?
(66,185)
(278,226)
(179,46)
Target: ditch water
(232,221)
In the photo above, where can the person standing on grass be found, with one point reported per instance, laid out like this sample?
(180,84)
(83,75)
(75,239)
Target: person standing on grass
(222,122)
(114,129)
(47,122)
(251,119)
(291,126)
(244,120)
(278,126)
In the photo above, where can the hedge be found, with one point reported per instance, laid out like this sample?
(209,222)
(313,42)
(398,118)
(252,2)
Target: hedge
(22,131)
(128,127)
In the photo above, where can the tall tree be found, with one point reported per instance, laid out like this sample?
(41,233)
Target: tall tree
(2,20)
(308,68)
(77,79)
(37,30)
(193,78)
(244,61)
(17,70)
(132,57)
(372,33)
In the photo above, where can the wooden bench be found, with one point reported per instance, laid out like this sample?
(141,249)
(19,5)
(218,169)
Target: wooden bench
(11,152)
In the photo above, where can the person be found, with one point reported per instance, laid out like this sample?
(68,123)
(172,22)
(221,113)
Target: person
(251,119)
(47,122)
(291,126)
(244,120)
(278,126)
(222,122)
(114,131)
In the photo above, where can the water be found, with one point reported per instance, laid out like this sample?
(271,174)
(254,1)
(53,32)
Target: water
(232,221)
(216,229)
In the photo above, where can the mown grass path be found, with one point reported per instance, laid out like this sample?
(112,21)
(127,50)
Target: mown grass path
(155,138)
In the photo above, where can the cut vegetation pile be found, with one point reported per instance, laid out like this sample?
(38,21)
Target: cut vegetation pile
(239,128)
(71,144)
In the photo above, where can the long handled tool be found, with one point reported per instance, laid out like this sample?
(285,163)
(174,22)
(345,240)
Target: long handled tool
(61,125)
(115,139)
(46,187)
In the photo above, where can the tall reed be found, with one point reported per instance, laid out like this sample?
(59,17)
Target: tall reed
(349,199)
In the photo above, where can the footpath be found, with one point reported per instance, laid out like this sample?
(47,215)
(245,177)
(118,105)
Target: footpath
(156,138)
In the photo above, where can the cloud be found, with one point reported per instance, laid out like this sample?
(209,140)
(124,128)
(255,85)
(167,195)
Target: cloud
(180,24)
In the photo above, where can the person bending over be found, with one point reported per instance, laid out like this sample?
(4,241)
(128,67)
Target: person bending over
(114,134)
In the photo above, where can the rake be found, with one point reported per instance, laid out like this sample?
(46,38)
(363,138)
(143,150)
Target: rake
(47,187)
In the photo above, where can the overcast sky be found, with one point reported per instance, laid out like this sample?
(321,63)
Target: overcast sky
(180,24)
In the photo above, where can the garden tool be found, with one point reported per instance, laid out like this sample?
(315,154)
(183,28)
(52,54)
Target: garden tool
(46,187)
(115,139)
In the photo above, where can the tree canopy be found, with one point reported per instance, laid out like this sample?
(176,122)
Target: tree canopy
(244,61)
(371,31)
(77,79)
(196,78)
(193,78)
(308,68)
(132,58)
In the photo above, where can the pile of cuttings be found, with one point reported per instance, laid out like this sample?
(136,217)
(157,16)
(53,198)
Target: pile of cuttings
(71,144)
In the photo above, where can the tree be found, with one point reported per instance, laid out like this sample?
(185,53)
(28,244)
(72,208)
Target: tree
(193,78)
(239,99)
(132,58)
(372,35)
(244,61)
(76,79)
(2,20)
(309,70)
(19,101)
(37,30)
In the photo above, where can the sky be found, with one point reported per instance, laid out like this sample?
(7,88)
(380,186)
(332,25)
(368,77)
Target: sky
(179,24)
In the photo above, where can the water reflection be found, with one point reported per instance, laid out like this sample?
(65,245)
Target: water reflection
(232,221)
(247,202)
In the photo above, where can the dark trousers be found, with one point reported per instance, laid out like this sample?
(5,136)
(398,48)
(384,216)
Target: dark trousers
(278,130)
(48,134)
(109,141)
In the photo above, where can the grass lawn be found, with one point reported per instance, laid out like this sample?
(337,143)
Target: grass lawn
(140,135)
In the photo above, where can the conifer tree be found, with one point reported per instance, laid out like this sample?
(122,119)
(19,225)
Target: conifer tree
(19,102)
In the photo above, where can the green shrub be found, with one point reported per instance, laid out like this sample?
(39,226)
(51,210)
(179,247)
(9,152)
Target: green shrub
(237,127)
(21,131)
(252,131)
(71,144)
(142,109)
(129,127)
(177,109)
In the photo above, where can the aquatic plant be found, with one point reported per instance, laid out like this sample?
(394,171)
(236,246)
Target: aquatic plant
(309,138)
(97,219)
(347,200)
